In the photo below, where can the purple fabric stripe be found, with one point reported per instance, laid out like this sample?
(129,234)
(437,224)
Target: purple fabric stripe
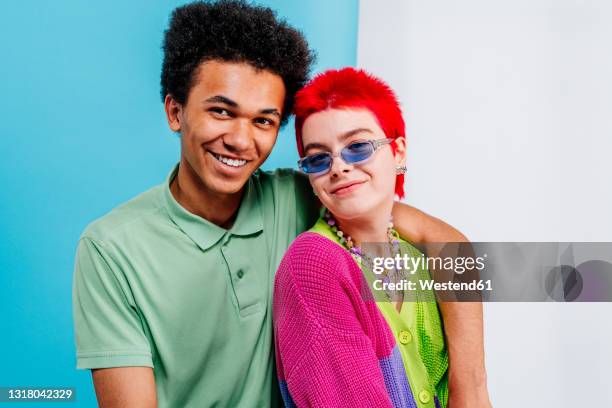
(286,396)
(396,382)
(437,401)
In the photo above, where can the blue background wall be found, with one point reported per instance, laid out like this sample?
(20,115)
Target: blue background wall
(82,130)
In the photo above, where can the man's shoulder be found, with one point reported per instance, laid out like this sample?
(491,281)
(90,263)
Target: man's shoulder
(128,215)
(281,177)
(281,181)
(290,194)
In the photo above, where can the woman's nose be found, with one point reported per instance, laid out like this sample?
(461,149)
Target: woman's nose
(339,166)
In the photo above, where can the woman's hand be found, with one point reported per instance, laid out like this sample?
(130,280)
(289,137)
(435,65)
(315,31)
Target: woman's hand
(468,392)
(469,400)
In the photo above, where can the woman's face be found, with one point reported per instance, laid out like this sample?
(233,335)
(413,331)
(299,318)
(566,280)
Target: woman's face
(352,190)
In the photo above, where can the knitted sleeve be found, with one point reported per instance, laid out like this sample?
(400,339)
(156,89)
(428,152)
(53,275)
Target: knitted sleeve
(325,334)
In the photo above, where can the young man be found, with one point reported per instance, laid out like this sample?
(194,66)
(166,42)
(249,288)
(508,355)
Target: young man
(172,290)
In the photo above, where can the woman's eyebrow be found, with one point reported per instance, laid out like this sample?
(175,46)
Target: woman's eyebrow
(342,137)
(315,146)
(353,132)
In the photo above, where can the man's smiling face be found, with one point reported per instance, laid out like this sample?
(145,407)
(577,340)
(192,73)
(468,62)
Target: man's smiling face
(228,124)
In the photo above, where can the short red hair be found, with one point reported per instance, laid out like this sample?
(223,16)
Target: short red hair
(351,88)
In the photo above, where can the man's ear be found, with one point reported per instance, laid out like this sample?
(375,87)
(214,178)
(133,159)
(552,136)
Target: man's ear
(400,151)
(173,113)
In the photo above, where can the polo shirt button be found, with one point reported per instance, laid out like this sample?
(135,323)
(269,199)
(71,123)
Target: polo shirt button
(424,396)
(240,274)
(405,337)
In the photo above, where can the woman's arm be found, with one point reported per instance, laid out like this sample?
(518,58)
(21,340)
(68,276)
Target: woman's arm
(463,324)
(323,331)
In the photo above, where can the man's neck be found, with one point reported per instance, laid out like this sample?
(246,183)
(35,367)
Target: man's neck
(192,195)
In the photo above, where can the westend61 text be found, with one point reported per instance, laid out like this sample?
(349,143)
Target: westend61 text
(430,284)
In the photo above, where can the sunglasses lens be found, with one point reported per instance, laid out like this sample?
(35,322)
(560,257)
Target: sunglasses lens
(316,163)
(356,152)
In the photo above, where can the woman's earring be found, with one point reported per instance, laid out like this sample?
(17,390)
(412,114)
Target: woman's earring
(401,169)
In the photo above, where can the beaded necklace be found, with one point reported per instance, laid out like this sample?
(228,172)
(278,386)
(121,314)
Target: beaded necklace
(366,259)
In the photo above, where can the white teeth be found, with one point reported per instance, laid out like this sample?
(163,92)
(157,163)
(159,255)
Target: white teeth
(228,161)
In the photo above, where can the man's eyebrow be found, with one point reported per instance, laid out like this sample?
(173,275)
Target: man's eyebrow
(227,101)
(222,99)
(270,111)
(344,136)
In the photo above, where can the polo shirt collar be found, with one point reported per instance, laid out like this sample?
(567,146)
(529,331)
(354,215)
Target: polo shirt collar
(203,232)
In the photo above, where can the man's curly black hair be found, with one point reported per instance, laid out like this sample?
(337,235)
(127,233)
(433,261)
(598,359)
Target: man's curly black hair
(233,31)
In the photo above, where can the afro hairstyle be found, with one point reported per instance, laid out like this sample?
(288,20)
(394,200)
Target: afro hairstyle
(232,31)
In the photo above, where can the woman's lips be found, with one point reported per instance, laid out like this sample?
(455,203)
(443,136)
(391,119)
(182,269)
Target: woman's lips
(347,188)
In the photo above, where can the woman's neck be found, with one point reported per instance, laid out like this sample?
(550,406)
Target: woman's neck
(366,229)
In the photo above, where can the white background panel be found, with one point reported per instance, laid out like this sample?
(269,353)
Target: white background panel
(508,106)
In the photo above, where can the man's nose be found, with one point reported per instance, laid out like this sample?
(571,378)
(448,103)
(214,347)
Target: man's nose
(240,137)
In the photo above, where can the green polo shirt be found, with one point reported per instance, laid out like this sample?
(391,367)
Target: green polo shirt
(157,286)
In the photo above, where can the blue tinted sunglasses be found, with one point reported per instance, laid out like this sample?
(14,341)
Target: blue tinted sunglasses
(353,153)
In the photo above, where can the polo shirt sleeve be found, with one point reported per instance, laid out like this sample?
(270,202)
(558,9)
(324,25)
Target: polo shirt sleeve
(107,327)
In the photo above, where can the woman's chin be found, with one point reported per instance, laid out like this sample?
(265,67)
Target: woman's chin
(346,211)
(361,208)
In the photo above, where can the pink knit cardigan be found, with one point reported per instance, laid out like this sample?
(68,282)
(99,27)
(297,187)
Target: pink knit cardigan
(333,347)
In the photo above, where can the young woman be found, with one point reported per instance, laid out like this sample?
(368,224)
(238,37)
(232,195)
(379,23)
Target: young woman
(335,346)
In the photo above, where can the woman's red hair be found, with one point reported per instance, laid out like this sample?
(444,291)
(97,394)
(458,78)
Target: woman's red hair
(350,88)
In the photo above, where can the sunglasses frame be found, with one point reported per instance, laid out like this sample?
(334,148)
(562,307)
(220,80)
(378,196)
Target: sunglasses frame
(376,144)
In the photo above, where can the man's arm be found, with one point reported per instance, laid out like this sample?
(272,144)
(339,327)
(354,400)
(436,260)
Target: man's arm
(109,331)
(467,380)
(125,387)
